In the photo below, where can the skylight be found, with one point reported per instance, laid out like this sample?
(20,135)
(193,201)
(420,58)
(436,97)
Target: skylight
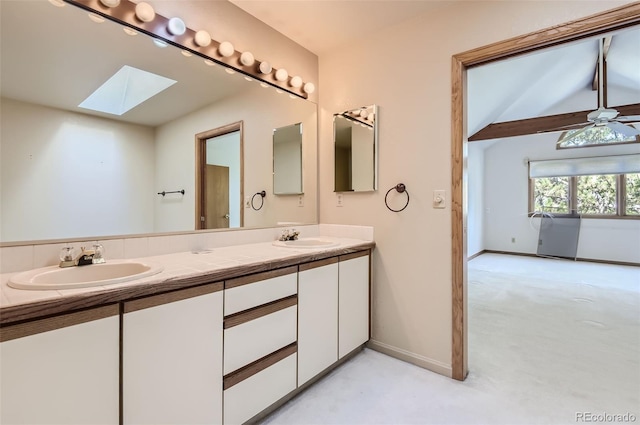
(125,90)
(594,136)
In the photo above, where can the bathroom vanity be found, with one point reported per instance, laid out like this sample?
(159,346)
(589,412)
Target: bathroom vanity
(215,338)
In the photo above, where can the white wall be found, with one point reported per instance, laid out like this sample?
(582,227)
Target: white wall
(406,69)
(261,110)
(475,198)
(506,201)
(225,151)
(66,174)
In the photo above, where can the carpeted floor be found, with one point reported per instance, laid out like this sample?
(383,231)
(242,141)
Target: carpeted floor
(550,342)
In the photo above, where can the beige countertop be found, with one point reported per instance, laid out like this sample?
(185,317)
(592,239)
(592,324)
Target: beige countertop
(181,270)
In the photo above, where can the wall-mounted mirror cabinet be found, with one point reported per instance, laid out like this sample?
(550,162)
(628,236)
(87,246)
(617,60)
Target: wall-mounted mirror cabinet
(355,138)
(71,172)
(287,160)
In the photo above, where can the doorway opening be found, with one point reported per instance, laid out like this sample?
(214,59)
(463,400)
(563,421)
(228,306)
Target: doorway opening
(220,177)
(601,23)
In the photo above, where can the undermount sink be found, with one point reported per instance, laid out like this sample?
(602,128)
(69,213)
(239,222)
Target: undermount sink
(307,243)
(108,273)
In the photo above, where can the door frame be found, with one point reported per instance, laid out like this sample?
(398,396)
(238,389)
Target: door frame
(590,26)
(201,159)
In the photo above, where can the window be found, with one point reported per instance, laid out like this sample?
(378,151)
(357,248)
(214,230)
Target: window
(595,136)
(601,195)
(551,194)
(594,186)
(632,194)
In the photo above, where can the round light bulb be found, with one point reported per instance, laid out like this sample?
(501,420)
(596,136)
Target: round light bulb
(364,113)
(247,59)
(96,18)
(226,49)
(129,31)
(159,43)
(202,38)
(309,88)
(282,74)
(110,3)
(145,12)
(265,67)
(176,26)
(296,82)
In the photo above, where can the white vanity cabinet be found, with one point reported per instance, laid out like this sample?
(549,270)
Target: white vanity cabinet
(172,357)
(317,317)
(333,317)
(260,342)
(353,296)
(61,370)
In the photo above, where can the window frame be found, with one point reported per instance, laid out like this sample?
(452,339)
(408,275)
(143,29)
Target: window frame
(621,200)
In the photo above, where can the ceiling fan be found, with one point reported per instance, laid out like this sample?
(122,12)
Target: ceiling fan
(603,116)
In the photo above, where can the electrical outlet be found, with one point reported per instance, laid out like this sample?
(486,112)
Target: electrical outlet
(301,201)
(339,199)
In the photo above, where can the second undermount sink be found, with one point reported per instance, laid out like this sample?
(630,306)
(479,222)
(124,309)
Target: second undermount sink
(307,243)
(108,273)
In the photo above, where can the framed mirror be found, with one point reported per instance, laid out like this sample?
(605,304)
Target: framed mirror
(287,160)
(355,138)
(71,172)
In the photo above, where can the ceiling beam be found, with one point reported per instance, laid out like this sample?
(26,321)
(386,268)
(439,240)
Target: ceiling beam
(542,124)
(605,51)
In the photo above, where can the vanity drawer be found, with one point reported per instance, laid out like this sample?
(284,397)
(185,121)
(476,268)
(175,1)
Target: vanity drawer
(261,288)
(247,341)
(245,399)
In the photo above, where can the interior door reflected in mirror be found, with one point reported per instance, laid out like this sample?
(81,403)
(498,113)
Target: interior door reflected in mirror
(287,160)
(220,177)
(355,138)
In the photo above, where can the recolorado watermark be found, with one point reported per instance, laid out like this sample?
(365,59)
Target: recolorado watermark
(605,417)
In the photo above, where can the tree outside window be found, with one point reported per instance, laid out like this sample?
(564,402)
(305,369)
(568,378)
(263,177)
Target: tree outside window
(632,186)
(597,194)
(551,194)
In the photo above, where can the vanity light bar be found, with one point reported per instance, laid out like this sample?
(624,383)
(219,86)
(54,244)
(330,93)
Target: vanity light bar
(197,43)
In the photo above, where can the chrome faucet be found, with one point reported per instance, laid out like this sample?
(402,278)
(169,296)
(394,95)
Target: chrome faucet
(86,256)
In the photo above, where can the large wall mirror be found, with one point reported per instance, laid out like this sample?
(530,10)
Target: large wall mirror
(71,172)
(355,137)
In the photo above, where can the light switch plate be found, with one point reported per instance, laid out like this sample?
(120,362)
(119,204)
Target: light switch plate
(339,199)
(301,201)
(439,199)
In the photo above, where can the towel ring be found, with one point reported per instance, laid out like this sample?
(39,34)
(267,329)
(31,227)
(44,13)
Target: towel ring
(400,188)
(262,195)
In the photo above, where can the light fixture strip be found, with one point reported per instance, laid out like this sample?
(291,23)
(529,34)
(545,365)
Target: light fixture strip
(124,14)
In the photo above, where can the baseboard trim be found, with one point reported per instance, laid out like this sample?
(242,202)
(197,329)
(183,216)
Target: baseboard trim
(477,254)
(589,260)
(409,357)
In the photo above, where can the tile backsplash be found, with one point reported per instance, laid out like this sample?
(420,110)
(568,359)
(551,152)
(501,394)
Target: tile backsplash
(26,257)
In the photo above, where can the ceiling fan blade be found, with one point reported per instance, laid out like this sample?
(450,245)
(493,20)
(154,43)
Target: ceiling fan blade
(576,134)
(627,130)
(629,118)
(565,127)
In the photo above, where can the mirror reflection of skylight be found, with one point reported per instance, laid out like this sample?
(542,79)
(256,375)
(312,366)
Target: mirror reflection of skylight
(125,90)
(594,136)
